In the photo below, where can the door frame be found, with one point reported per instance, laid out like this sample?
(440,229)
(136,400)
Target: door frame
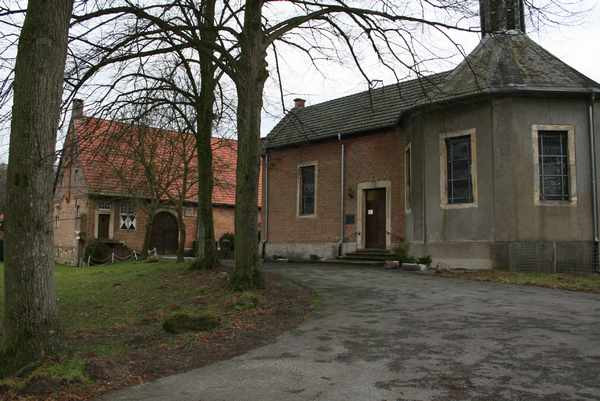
(110,222)
(360,208)
(172,213)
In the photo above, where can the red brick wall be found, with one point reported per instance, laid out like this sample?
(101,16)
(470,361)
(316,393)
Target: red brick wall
(374,157)
(223,221)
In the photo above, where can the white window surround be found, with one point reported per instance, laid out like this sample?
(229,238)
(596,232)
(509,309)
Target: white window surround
(408,170)
(444,166)
(360,214)
(299,189)
(190,211)
(570,129)
(110,222)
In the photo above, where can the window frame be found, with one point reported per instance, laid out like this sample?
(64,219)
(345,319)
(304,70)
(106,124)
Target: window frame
(127,209)
(299,213)
(472,134)
(190,211)
(101,203)
(408,178)
(571,155)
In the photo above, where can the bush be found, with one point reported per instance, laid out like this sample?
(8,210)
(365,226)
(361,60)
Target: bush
(182,322)
(409,259)
(402,251)
(424,260)
(226,245)
(227,241)
(98,252)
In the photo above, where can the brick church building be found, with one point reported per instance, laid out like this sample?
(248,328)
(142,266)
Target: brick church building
(492,164)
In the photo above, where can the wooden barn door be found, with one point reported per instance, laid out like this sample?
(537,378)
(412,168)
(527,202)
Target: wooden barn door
(375,218)
(164,233)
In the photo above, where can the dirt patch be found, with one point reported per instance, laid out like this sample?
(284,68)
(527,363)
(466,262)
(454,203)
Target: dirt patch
(133,354)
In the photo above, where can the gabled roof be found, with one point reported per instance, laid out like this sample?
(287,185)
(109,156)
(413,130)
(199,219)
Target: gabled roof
(503,62)
(360,112)
(511,61)
(110,167)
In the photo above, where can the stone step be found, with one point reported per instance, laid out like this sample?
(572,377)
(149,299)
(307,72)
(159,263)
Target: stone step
(369,251)
(358,262)
(362,256)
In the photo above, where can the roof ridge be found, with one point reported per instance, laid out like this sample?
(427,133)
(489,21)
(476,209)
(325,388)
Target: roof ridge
(375,89)
(131,125)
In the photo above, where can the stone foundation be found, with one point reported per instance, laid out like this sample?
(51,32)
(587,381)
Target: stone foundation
(65,255)
(302,251)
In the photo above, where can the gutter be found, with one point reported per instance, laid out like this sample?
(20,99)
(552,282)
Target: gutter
(266,207)
(342,185)
(594,177)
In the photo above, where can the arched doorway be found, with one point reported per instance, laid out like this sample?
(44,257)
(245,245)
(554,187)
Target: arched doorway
(164,233)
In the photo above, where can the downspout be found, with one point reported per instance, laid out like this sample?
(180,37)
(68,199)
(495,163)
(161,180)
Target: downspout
(266,207)
(594,174)
(342,185)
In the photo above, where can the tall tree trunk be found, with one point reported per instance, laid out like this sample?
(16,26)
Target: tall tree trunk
(151,210)
(181,227)
(252,74)
(206,257)
(31,327)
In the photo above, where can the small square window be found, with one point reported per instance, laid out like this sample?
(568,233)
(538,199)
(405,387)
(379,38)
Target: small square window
(190,212)
(104,205)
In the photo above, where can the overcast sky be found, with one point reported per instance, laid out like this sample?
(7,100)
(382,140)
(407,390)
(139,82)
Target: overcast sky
(577,44)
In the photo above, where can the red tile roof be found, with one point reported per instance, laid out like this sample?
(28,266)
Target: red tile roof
(112,160)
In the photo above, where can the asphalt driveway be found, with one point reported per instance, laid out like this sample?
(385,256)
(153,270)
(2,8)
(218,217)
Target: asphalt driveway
(384,335)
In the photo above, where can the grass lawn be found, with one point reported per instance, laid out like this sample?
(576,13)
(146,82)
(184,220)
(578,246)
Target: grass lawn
(113,323)
(572,282)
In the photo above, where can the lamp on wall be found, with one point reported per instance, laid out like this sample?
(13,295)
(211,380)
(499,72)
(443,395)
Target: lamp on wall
(350,192)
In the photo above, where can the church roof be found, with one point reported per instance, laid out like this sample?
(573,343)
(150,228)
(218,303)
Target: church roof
(506,62)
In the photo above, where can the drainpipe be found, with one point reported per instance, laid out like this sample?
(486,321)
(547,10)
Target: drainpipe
(266,207)
(342,184)
(594,182)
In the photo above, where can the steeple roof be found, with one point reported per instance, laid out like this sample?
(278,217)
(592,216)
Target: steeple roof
(509,62)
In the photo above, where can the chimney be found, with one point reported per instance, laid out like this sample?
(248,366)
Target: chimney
(299,103)
(77,108)
(499,16)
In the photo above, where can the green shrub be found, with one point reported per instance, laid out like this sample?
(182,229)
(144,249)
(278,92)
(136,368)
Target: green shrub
(226,246)
(402,250)
(424,260)
(183,322)
(98,252)
(409,259)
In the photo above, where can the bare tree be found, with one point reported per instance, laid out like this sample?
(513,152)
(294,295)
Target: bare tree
(3,169)
(31,326)
(237,38)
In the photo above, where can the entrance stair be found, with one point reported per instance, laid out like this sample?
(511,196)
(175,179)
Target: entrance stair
(372,256)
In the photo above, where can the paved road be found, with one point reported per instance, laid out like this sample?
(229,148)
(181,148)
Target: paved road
(383,335)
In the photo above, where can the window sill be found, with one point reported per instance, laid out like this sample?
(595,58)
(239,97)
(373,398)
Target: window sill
(306,216)
(569,203)
(458,205)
